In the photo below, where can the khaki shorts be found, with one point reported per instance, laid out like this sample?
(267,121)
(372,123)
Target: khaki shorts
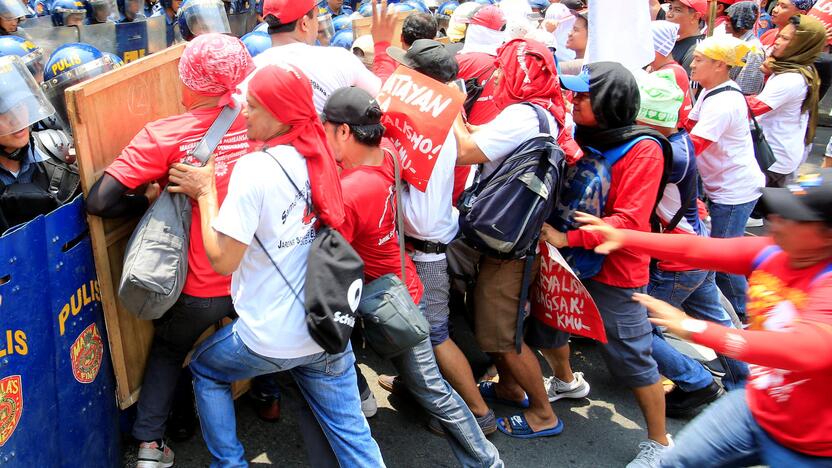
(496,300)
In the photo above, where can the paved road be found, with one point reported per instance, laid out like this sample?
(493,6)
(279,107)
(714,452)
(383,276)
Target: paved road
(602,430)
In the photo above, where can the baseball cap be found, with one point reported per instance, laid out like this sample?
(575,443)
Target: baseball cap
(491,17)
(427,57)
(808,199)
(287,11)
(576,83)
(352,106)
(701,6)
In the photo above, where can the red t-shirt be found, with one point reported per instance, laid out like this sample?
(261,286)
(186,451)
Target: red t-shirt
(370,222)
(768,37)
(164,142)
(477,65)
(788,344)
(683,81)
(630,203)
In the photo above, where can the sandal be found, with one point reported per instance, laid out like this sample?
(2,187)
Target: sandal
(489,392)
(520,428)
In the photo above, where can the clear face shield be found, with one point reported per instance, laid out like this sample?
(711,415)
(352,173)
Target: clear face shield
(22,103)
(55,88)
(12,9)
(72,17)
(103,10)
(34,62)
(205,16)
(325,28)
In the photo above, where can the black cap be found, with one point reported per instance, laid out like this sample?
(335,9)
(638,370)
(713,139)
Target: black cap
(808,199)
(427,57)
(352,106)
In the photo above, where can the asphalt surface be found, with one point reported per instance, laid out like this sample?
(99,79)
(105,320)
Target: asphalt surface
(602,430)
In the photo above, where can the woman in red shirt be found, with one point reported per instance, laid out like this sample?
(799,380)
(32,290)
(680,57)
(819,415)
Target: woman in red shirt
(784,416)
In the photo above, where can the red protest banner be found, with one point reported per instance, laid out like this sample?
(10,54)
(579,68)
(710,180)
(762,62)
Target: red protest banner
(561,301)
(823,12)
(418,113)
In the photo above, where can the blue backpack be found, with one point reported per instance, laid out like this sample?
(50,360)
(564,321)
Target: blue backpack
(585,187)
(502,215)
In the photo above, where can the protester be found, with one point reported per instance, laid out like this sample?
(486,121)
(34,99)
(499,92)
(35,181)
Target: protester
(384,24)
(483,38)
(210,69)
(690,15)
(576,41)
(270,334)
(418,26)
(293,25)
(787,108)
(664,37)
(725,153)
(603,121)
(782,417)
(694,291)
(742,22)
(780,15)
(353,129)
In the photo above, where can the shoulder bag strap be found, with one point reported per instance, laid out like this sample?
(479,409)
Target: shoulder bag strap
(399,215)
(202,151)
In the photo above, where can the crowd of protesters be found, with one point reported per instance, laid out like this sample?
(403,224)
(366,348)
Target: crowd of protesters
(687,130)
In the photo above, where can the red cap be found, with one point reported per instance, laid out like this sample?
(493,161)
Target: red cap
(490,16)
(701,6)
(287,11)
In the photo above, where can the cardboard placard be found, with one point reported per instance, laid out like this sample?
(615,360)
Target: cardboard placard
(561,301)
(418,114)
(363,26)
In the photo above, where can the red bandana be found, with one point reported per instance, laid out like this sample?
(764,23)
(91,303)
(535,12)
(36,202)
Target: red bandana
(529,75)
(286,92)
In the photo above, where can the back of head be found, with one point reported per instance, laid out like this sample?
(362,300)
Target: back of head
(282,15)
(614,94)
(418,26)
(214,65)
(429,58)
(743,15)
(359,110)
(661,99)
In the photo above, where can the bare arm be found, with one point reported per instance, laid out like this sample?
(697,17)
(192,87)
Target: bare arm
(468,153)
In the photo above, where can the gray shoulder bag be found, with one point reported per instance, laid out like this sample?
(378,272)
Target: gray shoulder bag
(156,258)
(392,322)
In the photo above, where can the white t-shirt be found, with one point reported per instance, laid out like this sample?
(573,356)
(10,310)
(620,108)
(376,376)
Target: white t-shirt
(785,125)
(429,215)
(728,168)
(513,125)
(261,201)
(328,69)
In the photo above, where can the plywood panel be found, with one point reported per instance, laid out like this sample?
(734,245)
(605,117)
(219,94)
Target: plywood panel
(105,114)
(362,26)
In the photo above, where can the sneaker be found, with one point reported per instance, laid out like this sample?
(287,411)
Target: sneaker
(754,223)
(679,403)
(487,423)
(152,455)
(558,389)
(369,405)
(650,454)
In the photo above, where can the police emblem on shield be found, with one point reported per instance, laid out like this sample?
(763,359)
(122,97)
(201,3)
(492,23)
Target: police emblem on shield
(86,354)
(11,406)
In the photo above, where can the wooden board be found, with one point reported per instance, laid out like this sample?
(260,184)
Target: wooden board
(362,26)
(105,114)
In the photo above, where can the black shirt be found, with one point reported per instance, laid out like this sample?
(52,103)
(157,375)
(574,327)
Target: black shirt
(683,51)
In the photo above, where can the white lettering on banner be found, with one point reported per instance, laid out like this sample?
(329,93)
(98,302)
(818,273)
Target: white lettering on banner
(345,319)
(412,94)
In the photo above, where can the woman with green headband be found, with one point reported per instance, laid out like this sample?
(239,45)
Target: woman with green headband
(787,108)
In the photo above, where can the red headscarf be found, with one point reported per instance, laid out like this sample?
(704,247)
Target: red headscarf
(214,65)
(529,75)
(287,94)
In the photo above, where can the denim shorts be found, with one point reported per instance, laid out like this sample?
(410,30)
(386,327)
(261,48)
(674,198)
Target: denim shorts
(629,348)
(541,336)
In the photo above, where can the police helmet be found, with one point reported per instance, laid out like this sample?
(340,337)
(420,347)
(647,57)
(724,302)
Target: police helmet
(71,64)
(130,10)
(342,22)
(22,103)
(41,7)
(257,42)
(400,7)
(417,5)
(342,39)
(100,11)
(447,8)
(202,16)
(12,10)
(29,53)
(366,10)
(117,61)
(68,12)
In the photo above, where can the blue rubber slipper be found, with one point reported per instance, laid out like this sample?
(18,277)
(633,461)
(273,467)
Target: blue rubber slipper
(489,392)
(520,428)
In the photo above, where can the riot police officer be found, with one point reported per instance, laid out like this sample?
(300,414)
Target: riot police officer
(202,16)
(29,53)
(131,10)
(11,13)
(68,12)
(100,11)
(69,65)
(36,174)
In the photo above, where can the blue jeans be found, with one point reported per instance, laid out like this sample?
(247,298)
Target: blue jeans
(327,381)
(726,435)
(694,292)
(729,221)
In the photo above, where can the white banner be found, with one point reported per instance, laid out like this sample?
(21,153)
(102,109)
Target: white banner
(619,31)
